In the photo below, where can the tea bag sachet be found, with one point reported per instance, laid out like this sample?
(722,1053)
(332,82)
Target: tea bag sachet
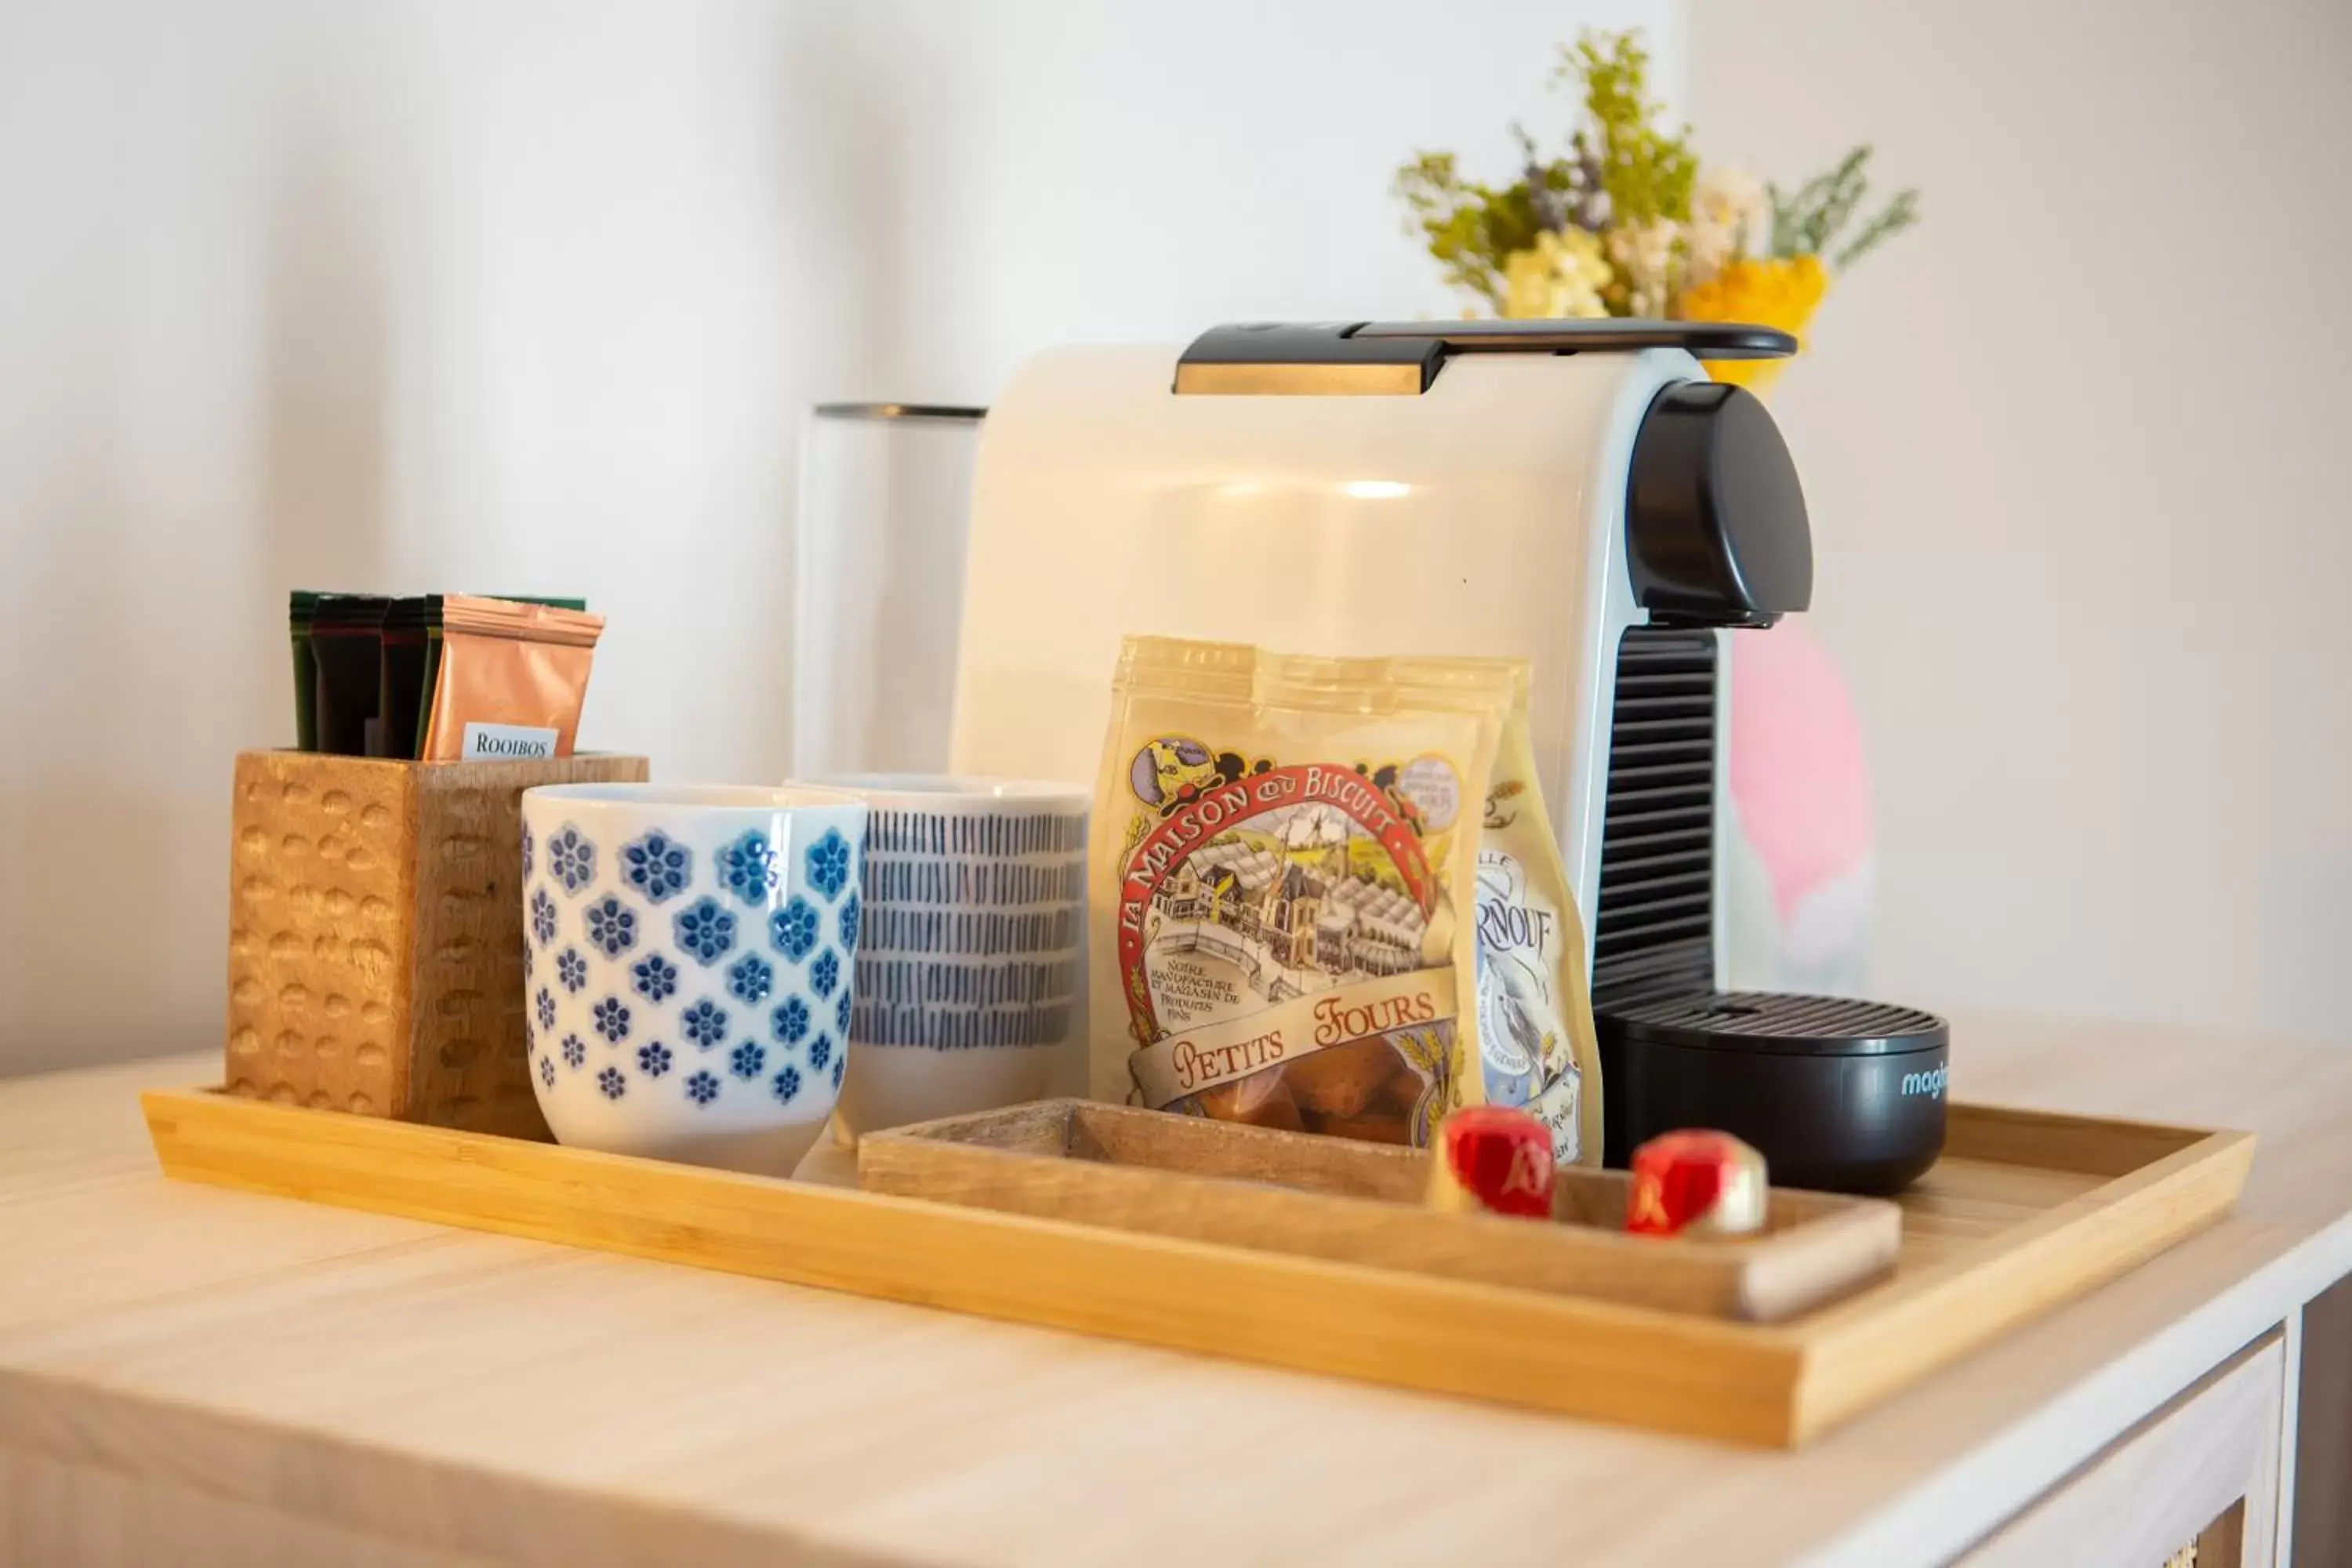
(402,712)
(347,652)
(427,672)
(301,608)
(511,680)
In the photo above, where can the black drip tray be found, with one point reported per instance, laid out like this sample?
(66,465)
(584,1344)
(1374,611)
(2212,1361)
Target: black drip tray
(1838,1094)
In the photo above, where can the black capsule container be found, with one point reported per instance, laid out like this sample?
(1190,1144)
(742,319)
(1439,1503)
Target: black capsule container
(1839,1095)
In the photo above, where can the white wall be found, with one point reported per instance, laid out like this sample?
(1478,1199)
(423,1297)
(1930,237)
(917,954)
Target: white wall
(529,296)
(2076,454)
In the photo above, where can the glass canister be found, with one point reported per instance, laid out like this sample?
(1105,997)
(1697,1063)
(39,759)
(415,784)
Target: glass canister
(884,514)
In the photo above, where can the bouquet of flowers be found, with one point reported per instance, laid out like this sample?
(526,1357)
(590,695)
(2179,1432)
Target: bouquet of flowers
(1626,222)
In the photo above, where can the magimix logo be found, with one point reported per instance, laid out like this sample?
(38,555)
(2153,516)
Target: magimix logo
(1927,1083)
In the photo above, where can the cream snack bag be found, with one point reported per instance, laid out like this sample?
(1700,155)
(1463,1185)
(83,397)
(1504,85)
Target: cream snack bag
(1537,1046)
(1282,853)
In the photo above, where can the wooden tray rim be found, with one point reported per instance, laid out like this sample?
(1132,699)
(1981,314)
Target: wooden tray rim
(1773,1384)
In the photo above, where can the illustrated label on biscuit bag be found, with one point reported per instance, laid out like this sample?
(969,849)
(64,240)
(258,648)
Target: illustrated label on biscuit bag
(1270,918)
(1528,1051)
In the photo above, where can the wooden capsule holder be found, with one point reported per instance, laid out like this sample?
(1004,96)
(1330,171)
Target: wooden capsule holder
(1354,1202)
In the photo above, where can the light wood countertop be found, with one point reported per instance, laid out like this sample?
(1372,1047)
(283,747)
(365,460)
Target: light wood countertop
(337,1385)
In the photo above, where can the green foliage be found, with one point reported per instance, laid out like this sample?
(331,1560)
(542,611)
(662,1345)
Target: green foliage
(1808,221)
(1647,173)
(1469,228)
(1900,214)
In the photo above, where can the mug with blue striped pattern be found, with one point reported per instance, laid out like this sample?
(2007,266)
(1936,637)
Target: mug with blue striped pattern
(970,962)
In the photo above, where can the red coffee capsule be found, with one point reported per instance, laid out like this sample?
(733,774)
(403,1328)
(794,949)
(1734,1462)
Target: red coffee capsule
(1696,1183)
(1495,1159)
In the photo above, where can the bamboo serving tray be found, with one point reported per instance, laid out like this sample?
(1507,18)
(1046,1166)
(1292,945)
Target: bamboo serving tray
(2025,1211)
(1351,1201)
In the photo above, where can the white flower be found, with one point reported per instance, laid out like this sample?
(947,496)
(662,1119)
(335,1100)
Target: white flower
(1646,254)
(1711,247)
(1727,196)
(1727,199)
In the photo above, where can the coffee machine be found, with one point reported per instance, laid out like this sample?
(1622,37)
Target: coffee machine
(1577,493)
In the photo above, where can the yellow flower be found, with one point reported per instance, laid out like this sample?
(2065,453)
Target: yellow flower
(1782,293)
(1777,292)
(1561,274)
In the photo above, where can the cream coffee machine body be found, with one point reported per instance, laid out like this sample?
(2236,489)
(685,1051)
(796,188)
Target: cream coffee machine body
(1575,493)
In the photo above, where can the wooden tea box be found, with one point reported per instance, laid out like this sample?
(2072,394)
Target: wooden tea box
(376,948)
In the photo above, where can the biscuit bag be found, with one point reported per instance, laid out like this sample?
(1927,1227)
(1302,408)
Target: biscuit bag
(1536,1042)
(1282,858)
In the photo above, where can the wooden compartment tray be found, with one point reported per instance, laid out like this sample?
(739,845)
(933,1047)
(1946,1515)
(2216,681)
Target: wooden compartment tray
(1352,1202)
(2025,1211)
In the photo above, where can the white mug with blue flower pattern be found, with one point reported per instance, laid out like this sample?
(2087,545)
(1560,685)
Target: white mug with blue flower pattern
(689,960)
